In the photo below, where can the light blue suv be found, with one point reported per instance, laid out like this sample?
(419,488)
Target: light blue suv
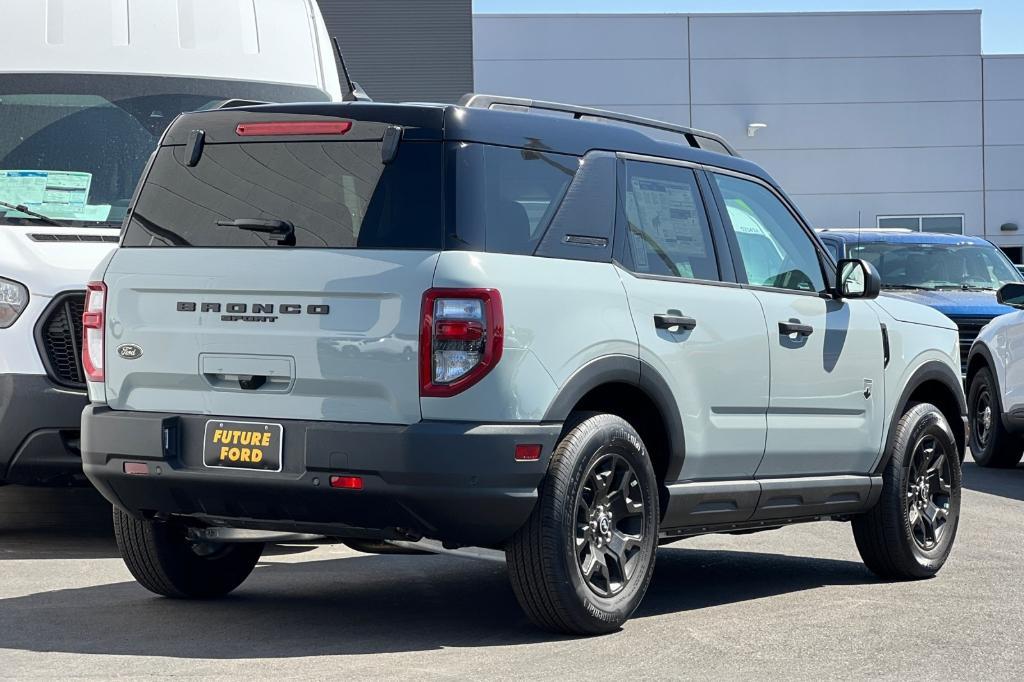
(549,335)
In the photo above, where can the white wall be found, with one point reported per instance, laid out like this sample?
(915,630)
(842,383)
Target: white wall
(1004,146)
(868,113)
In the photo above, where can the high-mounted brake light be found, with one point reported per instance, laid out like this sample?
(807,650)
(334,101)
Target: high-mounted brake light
(462,335)
(267,128)
(93,324)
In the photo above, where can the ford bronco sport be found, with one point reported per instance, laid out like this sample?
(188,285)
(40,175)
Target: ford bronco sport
(558,335)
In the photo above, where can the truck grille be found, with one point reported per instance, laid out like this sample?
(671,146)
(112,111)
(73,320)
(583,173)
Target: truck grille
(59,337)
(969,328)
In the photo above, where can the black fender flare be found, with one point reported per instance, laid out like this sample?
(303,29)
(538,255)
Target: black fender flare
(626,369)
(932,370)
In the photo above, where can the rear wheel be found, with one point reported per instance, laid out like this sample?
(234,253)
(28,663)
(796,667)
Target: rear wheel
(910,532)
(582,562)
(991,444)
(165,561)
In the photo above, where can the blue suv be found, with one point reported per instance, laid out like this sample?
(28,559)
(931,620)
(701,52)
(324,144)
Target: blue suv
(954,274)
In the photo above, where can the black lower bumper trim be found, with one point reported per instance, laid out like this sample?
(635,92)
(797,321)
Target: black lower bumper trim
(452,481)
(39,428)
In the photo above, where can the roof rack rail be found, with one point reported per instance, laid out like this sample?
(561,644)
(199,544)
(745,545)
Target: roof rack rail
(695,138)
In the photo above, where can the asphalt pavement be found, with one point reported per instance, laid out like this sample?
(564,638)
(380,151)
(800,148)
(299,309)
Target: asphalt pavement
(790,603)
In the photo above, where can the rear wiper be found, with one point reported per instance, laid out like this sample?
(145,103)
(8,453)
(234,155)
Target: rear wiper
(280,231)
(27,211)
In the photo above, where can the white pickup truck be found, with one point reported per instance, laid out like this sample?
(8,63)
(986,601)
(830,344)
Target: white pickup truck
(86,91)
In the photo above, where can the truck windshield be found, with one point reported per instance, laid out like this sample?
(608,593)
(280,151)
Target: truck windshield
(938,266)
(72,146)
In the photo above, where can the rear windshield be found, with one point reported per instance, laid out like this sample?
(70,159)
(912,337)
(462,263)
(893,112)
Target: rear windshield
(334,194)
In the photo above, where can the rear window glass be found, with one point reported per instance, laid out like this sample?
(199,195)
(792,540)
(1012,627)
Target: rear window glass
(507,196)
(668,230)
(335,194)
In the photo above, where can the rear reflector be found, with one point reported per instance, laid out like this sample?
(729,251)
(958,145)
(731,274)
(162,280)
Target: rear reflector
(527,453)
(347,482)
(136,468)
(293,128)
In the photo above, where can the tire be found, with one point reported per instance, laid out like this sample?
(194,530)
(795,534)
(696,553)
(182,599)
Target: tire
(896,539)
(581,496)
(165,562)
(991,444)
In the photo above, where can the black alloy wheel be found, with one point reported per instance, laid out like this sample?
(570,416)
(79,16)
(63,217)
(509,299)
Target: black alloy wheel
(610,526)
(928,491)
(981,424)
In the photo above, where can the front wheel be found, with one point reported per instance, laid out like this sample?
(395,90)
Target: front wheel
(582,562)
(991,444)
(165,561)
(909,533)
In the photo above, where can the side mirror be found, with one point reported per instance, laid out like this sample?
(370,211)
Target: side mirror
(1011,294)
(857,279)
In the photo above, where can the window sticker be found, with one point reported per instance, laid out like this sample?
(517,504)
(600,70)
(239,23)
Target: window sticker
(57,194)
(668,212)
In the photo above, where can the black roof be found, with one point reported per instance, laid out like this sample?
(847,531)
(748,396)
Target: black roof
(469,124)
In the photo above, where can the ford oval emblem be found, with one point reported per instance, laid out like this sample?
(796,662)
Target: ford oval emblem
(129,351)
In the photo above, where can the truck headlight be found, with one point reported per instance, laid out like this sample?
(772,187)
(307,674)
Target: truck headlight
(13,300)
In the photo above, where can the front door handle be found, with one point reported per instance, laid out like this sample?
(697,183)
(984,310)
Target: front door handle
(671,321)
(789,328)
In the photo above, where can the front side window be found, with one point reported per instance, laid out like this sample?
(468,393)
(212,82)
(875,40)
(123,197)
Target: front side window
(72,146)
(774,248)
(666,227)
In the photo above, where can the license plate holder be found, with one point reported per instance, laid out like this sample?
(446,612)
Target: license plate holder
(243,445)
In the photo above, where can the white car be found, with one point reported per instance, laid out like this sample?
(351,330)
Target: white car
(995,380)
(86,91)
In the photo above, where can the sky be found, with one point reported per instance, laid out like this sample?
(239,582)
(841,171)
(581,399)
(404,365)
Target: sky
(1002,21)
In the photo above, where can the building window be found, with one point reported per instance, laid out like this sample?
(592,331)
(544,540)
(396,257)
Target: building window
(950,224)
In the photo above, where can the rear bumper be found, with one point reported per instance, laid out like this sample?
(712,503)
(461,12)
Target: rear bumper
(39,427)
(453,481)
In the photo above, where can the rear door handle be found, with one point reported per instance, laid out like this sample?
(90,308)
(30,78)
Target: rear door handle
(789,328)
(670,321)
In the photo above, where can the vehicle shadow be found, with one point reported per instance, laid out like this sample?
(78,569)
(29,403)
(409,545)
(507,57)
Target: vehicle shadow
(55,523)
(372,604)
(1007,483)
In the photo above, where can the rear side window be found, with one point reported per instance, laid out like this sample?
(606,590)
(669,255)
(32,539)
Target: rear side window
(506,196)
(336,194)
(667,229)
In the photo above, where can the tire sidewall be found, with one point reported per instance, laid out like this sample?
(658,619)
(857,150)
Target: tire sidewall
(926,420)
(981,381)
(612,436)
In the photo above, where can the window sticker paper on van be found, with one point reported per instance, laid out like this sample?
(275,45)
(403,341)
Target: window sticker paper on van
(62,194)
(668,210)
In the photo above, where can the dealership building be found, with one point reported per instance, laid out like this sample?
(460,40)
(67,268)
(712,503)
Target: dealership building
(892,119)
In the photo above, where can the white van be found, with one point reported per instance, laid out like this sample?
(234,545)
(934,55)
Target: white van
(86,89)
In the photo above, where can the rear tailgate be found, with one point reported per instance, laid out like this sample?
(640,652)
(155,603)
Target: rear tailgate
(323,324)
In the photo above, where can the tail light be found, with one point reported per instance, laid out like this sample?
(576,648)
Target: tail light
(93,322)
(461,339)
